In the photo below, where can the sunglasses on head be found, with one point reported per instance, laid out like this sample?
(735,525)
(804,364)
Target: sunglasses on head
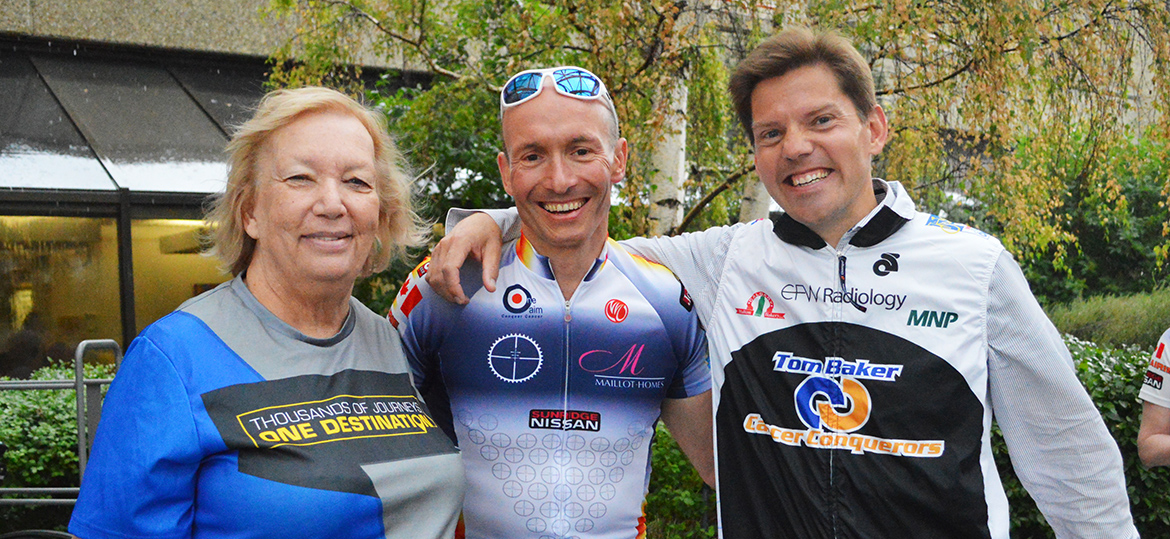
(568,81)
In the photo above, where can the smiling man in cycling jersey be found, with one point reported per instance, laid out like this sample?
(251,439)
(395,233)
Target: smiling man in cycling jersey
(861,348)
(552,384)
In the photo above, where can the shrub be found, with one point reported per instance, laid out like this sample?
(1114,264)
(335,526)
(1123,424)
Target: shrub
(1113,377)
(678,505)
(40,429)
(1114,321)
(1115,205)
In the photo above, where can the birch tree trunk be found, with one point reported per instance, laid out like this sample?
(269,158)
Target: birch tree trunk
(670,163)
(756,201)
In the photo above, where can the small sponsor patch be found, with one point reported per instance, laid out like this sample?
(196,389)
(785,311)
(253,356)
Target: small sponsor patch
(564,420)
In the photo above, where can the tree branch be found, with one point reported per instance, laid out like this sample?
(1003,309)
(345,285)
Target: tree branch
(1047,41)
(694,212)
(418,44)
(965,67)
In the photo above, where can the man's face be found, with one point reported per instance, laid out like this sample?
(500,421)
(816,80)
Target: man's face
(813,151)
(561,161)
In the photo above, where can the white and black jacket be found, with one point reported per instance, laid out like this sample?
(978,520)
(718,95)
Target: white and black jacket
(855,385)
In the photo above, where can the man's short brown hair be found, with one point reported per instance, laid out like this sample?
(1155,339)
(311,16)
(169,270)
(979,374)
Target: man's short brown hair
(798,47)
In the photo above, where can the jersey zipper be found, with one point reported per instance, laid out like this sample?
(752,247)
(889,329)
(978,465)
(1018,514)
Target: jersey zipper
(565,401)
(568,362)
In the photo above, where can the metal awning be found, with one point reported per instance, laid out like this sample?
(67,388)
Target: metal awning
(96,124)
(39,145)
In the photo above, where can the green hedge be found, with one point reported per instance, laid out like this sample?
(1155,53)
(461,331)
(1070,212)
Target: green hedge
(1113,377)
(1116,321)
(678,504)
(38,427)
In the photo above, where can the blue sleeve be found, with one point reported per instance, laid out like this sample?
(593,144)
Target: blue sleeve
(689,341)
(693,376)
(141,476)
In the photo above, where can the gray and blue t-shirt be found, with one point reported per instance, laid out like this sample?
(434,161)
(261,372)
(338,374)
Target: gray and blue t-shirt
(224,421)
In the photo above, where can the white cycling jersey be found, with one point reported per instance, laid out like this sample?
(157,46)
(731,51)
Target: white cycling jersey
(1154,389)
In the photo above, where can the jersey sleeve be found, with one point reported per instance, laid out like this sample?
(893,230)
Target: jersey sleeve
(416,315)
(694,373)
(507,219)
(688,340)
(413,330)
(1058,443)
(697,258)
(140,479)
(1154,388)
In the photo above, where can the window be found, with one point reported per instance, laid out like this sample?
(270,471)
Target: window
(168,266)
(58,286)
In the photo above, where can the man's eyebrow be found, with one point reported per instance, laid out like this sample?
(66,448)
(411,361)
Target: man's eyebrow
(585,139)
(531,146)
(827,107)
(766,123)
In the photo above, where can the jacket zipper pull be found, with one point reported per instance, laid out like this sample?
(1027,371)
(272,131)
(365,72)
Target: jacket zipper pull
(844,290)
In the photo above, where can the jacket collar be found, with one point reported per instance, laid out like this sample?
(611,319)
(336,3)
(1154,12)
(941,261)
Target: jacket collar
(894,210)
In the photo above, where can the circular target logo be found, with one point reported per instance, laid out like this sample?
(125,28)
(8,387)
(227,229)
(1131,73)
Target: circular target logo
(517,299)
(616,311)
(515,358)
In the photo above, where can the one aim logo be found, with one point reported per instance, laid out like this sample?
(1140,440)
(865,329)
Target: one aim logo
(887,264)
(616,311)
(823,403)
(517,299)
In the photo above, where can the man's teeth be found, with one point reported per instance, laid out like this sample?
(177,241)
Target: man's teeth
(806,179)
(561,207)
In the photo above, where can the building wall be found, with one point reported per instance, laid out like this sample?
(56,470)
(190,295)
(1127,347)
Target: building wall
(219,26)
(227,26)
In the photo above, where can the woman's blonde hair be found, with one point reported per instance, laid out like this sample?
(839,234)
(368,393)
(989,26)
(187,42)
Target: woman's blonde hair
(399,227)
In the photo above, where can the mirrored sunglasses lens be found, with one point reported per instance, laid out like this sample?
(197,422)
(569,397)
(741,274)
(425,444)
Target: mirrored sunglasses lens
(521,87)
(577,82)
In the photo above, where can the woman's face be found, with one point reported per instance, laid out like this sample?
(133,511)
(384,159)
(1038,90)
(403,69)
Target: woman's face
(316,206)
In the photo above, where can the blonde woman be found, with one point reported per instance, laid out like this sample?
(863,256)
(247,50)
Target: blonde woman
(276,405)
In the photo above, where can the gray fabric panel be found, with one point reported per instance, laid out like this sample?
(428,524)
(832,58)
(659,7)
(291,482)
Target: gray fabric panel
(277,350)
(417,517)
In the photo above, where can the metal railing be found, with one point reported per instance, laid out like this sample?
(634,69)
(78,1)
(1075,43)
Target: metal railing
(89,411)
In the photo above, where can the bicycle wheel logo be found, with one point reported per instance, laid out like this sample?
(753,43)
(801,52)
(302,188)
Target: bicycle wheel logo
(515,358)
